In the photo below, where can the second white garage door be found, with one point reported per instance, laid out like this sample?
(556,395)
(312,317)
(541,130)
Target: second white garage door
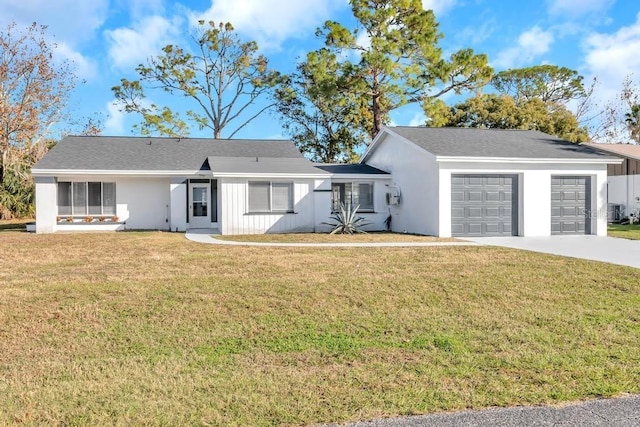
(570,204)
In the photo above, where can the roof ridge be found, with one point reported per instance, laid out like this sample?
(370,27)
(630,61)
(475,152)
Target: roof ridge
(179,138)
(464,128)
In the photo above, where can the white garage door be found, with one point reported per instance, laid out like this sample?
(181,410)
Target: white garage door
(484,205)
(570,204)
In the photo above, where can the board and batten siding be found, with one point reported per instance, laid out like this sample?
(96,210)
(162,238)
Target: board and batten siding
(235,217)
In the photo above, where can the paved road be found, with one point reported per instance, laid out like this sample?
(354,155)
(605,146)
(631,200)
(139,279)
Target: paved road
(597,248)
(619,412)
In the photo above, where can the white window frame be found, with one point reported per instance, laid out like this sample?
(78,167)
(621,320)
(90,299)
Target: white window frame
(270,208)
(370,209)
(86,196)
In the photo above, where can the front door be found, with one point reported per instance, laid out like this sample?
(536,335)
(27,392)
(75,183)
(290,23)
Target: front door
(200,205)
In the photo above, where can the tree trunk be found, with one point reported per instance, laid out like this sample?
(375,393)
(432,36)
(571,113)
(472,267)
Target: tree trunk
(375,108)
(3,162)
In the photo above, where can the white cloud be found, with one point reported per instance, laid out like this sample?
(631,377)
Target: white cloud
(70,21)
(476,35)
(418,119)
(531,44)
(70,25)
(85,68)
(140,8)
(571,9)
(439,7)
(269,23)
(130,46)
(114,125)
(612,57)
(363,40)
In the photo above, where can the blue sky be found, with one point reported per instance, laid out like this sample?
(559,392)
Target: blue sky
(106,39)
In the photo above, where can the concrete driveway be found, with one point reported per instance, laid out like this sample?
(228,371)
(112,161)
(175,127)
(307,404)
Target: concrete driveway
(597,248)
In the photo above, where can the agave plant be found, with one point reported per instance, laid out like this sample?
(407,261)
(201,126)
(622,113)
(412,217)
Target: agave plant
(347,221)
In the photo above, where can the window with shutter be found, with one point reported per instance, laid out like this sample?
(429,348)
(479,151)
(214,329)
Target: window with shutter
(282,196)
(259,200)
(266,196)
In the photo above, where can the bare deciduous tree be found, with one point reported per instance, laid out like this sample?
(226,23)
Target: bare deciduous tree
(34,90)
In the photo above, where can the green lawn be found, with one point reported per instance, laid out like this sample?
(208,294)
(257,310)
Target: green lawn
(149,328)
(627,231)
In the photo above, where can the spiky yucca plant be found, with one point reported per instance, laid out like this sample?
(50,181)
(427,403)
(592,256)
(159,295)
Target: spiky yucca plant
(347,221)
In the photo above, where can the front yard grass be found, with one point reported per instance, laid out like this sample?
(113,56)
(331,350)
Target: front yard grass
(627,231)
(149,328)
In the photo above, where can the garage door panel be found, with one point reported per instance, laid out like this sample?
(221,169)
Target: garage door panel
(457,196)
(474,228)
(492,228)
(492,196)
(569,212)
(488,207)
(457,229)
(457,180)
(474,212)
(457,213)
(474,196)
(570,203)
(493,212)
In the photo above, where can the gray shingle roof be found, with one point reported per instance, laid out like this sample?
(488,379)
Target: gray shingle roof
(350,169)
(263,165)
(496,143)
(155,154)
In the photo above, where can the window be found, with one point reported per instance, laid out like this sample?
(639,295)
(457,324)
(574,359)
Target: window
(352,194)
(86,198)
(64,198)
(266,196)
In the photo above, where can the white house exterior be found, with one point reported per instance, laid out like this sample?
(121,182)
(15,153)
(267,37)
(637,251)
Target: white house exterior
(434,181)
(236,187)
(476,182)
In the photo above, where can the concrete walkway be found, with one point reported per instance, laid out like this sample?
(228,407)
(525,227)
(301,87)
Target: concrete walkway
(596,248)
(618,412)
(207,236)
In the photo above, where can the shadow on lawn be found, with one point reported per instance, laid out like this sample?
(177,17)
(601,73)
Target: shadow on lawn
(15,224)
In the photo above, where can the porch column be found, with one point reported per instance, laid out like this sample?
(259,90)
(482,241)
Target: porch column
(178,201)
(322,204)
(46,204)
